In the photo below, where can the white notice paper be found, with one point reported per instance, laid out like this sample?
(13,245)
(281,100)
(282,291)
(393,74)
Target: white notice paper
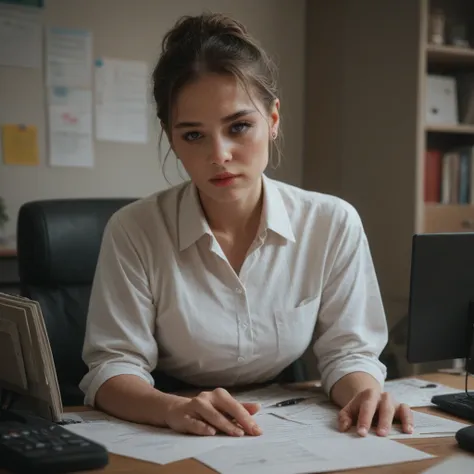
(70,127)
(416,392)
(309,455)
(20,36)
(69,54)
(121,100)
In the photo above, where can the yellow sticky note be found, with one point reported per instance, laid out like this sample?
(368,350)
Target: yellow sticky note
(20,145)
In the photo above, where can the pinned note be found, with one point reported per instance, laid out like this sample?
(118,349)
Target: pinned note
(20,145)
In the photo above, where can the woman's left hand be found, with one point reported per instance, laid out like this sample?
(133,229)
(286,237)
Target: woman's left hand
(360,411)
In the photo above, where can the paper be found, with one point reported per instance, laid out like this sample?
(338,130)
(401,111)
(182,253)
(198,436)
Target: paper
(147,443)
(121,100)
(323,416)
(272,394)
(20,145)
(308,455)
(458,464)
(69,57)
(20,37)
(416,392)
(70,127)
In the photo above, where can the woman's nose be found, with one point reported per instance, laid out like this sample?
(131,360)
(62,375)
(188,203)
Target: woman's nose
(220,151)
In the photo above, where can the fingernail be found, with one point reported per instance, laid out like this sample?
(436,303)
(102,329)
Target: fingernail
(211,431)
(382,431)
(238,432)
(362,431)
(256,430)
(410,428)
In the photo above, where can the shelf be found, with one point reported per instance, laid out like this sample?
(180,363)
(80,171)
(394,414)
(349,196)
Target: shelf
(448,218)
(450,55)
(465,129)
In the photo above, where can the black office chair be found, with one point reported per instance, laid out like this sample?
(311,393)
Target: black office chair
(58,243)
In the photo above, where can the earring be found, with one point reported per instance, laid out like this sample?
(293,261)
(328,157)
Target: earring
(274,135)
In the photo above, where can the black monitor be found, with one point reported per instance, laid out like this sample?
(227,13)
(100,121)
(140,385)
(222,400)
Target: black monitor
(441,290)
(441,307)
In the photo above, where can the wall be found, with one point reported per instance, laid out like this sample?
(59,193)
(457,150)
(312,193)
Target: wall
(133,29)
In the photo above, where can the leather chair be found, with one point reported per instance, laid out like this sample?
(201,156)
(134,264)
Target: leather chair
(58,243)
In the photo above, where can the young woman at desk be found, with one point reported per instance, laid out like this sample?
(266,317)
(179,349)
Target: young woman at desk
(222,281)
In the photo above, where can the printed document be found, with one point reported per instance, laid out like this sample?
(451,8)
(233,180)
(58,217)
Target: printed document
(309,455)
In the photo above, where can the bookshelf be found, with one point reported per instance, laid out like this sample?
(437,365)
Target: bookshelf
(366,134)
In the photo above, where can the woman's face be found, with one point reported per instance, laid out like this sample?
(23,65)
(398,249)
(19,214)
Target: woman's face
(221,135)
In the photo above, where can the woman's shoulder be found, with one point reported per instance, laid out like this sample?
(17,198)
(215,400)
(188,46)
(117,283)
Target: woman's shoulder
(306,203)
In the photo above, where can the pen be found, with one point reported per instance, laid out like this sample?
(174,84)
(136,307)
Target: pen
(291,401)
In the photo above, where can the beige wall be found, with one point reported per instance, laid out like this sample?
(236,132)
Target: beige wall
(133,29)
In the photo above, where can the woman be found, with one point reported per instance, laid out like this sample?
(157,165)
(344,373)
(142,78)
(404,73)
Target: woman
(223,280)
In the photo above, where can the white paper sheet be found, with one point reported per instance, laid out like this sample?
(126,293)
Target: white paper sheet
(272,394)
(121,100)
(69,57)
(323,416)
(20,36)
(416,392)
(302,456)
(458,464)
(70,127)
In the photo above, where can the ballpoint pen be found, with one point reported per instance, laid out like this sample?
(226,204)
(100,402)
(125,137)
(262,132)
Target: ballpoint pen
(291,401)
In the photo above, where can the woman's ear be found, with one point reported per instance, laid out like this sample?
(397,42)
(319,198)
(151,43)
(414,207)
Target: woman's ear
(275,118)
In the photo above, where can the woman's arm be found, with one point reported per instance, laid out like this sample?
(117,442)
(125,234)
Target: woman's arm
(345,389)
(131,398)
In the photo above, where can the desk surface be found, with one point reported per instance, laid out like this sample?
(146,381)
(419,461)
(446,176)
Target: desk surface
(441,447)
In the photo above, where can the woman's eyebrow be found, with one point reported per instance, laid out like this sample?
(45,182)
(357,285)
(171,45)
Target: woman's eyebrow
(227,118)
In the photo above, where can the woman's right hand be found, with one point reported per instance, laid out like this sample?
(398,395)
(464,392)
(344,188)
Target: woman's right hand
(211,412)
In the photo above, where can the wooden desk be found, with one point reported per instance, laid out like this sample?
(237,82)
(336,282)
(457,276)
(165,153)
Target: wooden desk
(441,447)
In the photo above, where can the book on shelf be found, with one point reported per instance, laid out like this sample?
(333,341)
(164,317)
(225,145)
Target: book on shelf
(449,176)
(28,381)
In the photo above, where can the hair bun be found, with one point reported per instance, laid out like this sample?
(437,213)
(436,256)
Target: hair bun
(190,28)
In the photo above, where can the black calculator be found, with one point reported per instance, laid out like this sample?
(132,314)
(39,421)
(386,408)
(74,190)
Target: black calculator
(29,444)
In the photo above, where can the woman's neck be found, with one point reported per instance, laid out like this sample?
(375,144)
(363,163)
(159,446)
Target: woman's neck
(233,218)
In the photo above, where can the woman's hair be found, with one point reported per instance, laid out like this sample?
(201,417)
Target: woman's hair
(210,43)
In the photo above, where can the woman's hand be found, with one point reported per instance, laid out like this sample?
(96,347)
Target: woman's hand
(211,412)
(361,410)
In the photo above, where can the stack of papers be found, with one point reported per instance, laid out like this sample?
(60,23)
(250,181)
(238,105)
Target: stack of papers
(284,447)
(30,372)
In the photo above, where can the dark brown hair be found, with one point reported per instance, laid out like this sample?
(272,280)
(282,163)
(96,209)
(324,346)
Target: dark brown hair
(210,43)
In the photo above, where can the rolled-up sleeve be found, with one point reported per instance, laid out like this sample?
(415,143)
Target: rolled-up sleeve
(119,336)
(351,329)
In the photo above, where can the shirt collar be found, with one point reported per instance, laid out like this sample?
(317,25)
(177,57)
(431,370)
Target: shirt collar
(193,224)
(275,215)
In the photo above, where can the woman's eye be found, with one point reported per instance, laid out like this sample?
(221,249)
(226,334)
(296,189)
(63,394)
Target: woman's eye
(191,136)
(240,127)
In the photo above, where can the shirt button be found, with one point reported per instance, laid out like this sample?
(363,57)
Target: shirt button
(241,359)
(238,291)
(244,325)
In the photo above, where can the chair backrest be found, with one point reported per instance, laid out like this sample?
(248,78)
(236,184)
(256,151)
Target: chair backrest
(58,243)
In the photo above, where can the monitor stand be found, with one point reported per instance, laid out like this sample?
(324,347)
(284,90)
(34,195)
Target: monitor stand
(461,404)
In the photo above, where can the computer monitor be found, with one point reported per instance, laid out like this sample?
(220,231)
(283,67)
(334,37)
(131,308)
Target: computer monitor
(441,303)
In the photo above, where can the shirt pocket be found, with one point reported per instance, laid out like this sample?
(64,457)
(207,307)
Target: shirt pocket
(295,328)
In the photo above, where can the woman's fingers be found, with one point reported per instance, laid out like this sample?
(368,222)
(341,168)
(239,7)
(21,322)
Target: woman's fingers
(386,414)
(193,426)
(205,410)
(345,420)
(252,408)
(226,403)
(405,415)
(367,410)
